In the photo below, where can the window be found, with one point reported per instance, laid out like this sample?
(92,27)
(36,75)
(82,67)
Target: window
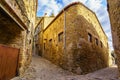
(30,42)
(96,41)
(89,37)
(101,44)
(50,42)
(60,37)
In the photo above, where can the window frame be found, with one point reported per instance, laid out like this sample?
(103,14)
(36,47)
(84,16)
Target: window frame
(96,41)
(50,42)
(90,37)
(60,37)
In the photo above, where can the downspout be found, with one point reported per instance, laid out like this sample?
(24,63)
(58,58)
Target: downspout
(64,31)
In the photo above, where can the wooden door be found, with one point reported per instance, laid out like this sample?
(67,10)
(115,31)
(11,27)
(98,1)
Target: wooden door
(8,62)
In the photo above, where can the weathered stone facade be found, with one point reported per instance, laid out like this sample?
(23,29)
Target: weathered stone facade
(18,31)
(38,36)
(75,40)
(114,13)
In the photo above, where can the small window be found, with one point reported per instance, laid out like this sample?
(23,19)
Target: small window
(50,42)
(101,44)
(89,37)
(30,42)
(96,41)
(60,37)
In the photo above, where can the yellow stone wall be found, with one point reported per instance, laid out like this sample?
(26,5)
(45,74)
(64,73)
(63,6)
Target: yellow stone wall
(53,51)
(75,53)
(26,36)
(38,39)
(91,18)
(47,20)
(26,55)
(114,13)
(20,25)
(31,8)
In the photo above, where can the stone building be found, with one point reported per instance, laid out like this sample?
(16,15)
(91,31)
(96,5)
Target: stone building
(75,40)
(38,36)
(17,22)
(114,13)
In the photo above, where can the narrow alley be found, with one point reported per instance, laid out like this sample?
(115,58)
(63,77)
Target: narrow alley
(59,39)
(42,69)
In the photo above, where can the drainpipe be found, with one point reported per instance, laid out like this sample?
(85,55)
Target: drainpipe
(64,31)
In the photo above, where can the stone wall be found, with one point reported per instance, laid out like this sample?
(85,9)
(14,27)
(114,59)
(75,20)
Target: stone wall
(114,13)
(42,23)
(20,44)
(18,34)
(87,56)
(52,49)
(18,7)
(68,46)
(28,35)
(47,20)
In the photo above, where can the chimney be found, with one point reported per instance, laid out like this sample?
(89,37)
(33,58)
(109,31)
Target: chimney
(45,14)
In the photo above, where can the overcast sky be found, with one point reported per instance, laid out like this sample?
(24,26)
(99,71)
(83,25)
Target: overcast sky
(98,6)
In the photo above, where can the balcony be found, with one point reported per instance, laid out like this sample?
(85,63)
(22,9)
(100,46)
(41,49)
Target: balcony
(16,10)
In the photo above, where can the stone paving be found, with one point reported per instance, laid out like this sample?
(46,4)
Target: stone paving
(42,69)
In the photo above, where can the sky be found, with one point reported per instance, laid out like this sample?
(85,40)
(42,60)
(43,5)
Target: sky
(97,6)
